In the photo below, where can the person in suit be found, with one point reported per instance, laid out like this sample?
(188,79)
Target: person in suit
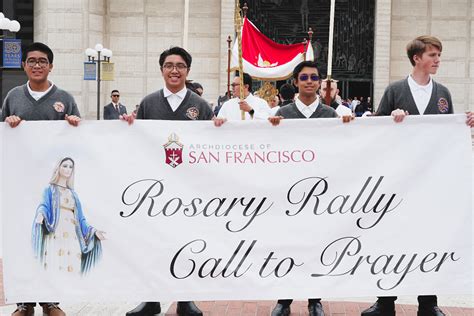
(417,94)
(114,109)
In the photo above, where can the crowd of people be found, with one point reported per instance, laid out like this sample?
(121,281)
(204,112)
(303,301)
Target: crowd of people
(357,106)
(418,94)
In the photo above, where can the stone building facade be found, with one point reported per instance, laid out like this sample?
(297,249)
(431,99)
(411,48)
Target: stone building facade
(137,31)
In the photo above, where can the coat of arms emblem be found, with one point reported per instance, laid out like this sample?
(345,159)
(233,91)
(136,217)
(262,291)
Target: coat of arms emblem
(174,151)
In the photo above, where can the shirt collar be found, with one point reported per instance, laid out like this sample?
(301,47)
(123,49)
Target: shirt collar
(181,93)
(51,84)
(250,97)
(303,107)
(416,87)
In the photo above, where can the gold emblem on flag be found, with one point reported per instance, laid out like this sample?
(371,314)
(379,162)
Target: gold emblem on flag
(267,91)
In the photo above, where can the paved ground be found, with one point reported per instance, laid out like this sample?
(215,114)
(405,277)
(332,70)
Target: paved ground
(242,308)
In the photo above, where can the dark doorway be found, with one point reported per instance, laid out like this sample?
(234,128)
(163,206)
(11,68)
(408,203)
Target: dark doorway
(351,89)
(22,11)
(287,21)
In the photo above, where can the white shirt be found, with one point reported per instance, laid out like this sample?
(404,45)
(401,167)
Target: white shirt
(421,94)
(38,94)
(343,110)
(354,104)
(231,109)
(307,110)
(274,110)
(175,99)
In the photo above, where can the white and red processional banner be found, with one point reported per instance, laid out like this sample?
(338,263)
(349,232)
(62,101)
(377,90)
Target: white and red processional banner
(245,211)
(265,59)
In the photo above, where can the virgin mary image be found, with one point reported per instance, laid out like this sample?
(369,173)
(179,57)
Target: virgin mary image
(62,239)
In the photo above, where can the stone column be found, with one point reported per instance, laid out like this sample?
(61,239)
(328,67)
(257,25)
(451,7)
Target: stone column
(67,26)
(383,9)
(227,28)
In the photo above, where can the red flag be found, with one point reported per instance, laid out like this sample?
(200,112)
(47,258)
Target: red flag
(266,59)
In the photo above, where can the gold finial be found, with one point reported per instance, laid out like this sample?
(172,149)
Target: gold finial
(310,33)
(245,8)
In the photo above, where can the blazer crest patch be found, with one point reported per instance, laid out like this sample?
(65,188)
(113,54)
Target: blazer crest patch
(59,107)
(443,105)
(192,113)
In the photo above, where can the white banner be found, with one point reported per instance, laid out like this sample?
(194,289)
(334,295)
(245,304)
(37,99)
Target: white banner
(311,208)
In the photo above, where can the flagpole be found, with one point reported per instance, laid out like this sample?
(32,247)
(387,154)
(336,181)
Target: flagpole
(310,34)
(331,36)
(229,41)
(305,43)
(238,29)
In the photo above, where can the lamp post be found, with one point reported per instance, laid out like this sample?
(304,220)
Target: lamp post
(94,55)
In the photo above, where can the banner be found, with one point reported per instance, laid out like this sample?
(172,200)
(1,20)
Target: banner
(90,69)
(107,71)
(11,53)
(266,59)
(189,211)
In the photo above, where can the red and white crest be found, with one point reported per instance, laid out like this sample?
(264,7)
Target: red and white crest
(174,151)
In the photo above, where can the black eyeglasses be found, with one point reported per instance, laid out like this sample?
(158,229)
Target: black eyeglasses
(42,62)
(234,85)
(179,67)
(304,77)
(115,95)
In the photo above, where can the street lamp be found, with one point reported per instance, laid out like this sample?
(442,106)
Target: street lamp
(11,46)
(94,54)
(7,24)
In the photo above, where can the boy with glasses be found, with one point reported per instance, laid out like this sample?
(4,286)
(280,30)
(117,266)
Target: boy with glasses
(306,106)
(173,102)
(114,110)
(38,100)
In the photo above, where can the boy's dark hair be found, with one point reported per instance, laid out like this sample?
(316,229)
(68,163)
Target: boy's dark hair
(247,80)
(419,45)
(197,85)
(115,90)
(301,65)
(176,51)
(40,47)
(287,91)
(190,85)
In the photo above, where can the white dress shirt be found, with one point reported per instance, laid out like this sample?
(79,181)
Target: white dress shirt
(175,99)
(231,109)
(421,94)
(38,94)
(343,110)
(307,110)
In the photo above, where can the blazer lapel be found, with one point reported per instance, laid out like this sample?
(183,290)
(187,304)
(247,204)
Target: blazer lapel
(432,105)
(411,106)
